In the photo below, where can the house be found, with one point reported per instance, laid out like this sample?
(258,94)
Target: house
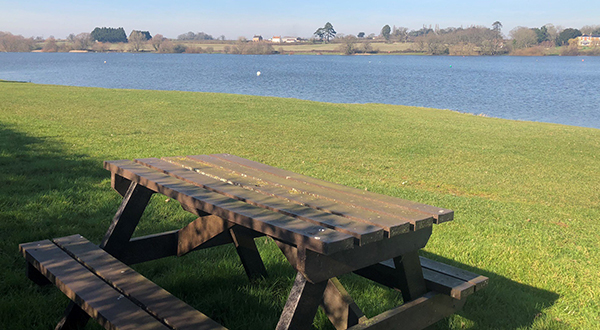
(289,39)
(257,38)
(276,39)
(589,40)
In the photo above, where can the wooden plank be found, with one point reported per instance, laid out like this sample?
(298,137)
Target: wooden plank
(150,247)
(385,273)
(119,183)
(417,314)
(302,304)
(478,281)
(295,231)
(137,288)
(317,267)
(339,306)
(386,203)
(101,301)
(364,233)
(392,226)
(384,212)
(201,231)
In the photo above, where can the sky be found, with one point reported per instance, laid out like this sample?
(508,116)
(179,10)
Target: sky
(233,19)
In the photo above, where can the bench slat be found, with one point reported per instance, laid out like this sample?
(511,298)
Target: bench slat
(392,225)
(97,298)
(295,231)
(156,300)
(363,232)
(478,281)
(388,214)
(377,201)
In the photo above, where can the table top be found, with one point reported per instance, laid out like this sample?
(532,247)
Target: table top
(322,216)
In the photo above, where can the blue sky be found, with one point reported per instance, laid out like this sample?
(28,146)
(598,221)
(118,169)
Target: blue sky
(266,17)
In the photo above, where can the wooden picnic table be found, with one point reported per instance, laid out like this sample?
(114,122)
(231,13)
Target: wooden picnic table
(324,230)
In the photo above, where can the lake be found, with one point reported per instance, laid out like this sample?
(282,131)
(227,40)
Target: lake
(564,90)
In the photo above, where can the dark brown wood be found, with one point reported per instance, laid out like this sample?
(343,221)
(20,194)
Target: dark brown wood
(295,231)
(364,233)
(385,273)
(388,214)
(248,253)
(126,219)
(339,307)
(302,304)
(318,267)
(74,318)
(150,247)
(201,231)
(35,276)
(98,299)
(155,300)
(119,183)
(417,314)
(410,275)
(478,281)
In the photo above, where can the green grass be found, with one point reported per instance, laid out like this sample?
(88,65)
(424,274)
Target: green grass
(525,194)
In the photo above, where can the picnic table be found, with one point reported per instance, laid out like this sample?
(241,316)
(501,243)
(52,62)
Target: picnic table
(325,230)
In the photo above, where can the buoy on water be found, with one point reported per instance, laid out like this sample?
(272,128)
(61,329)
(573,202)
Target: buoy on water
(257,73)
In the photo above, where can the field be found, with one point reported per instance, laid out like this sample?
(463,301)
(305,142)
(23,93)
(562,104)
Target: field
(525,196)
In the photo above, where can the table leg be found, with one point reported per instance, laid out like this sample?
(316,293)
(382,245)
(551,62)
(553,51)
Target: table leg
(115,240)
(246,249)
(127,218)
(410,276)
(302,304)
(339,306)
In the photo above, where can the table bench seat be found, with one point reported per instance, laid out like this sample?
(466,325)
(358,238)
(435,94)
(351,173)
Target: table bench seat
(112,293)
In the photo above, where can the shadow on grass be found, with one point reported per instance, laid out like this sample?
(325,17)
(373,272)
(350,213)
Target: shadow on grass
(45,192)
(503,304)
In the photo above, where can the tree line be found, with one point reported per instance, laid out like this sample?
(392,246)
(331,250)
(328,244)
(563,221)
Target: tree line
(472,40)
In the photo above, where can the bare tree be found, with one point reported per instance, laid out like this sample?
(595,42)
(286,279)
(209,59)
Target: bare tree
(82,41)
(50,45)
(136,41)
(523,37)
(157,40)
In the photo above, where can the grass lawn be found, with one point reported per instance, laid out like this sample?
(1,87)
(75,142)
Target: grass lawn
(525,196)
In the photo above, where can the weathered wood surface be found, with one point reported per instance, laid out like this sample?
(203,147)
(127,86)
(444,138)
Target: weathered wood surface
(96,297)
(318,267)
(439,277)
(339,306)
(143,292)
(274,201)
(379,202)
(416,314)
(394,221)
(302,304)
(290,229)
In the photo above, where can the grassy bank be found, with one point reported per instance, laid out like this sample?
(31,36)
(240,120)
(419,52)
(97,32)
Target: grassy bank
(525,195)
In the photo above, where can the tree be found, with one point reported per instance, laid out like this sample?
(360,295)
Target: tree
(195,36)
(156,41)
(566,34)
(386,31)
(401,33)
(82,41)
(136,40)
(497,27)
(523,37)
(50,45)
(361,34)
(348,45)
(109,34)
(326,32)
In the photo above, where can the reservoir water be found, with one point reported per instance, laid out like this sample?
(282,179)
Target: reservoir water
(564,90)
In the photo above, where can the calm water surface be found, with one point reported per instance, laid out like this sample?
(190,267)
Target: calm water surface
(561,90)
